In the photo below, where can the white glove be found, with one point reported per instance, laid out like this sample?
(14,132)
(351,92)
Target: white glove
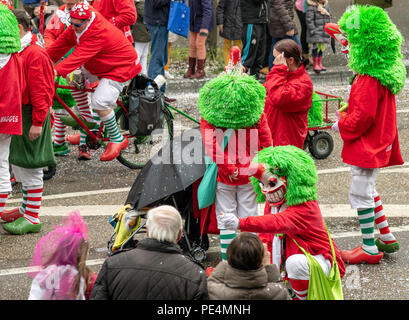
(227,221)
(335,127)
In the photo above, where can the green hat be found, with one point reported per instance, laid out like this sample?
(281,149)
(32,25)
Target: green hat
(375,45)
(64,94)
(232,100)
(296,165)
(9,31)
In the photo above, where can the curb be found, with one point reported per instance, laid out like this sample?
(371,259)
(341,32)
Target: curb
(339,77)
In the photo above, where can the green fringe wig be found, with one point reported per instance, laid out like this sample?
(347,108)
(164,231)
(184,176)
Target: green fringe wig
(296,165)
(315,111)
(9,31)
(232,100)
(65,95)
(375,45)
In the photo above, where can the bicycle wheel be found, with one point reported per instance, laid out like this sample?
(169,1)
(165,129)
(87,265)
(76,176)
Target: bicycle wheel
(141,149)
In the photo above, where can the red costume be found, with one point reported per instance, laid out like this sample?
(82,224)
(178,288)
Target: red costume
(101,48)
(12,85)
(226,166)
(39,72)
(303,223)
(56,26)
(289,97)
(370,105)
(121,14)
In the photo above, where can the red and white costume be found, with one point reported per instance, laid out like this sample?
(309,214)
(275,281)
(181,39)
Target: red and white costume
(122,14)
(56,26)
(289,97)
(104,52)
(12,86)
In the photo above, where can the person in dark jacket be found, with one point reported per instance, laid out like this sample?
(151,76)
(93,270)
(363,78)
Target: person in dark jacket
(318,14)
(228,19)
(156,269)
(254,15)
(281,24)
(141,36)
(155,16)
(201,22)
(248,273)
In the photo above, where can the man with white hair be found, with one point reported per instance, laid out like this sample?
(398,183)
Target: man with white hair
(156,269)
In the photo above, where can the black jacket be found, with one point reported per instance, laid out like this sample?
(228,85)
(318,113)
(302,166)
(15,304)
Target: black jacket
(139,31)
(254,11)
(281,18)
(152,271)
(228,14)
(156,12)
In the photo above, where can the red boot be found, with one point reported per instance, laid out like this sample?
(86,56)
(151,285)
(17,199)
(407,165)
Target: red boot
(113,150)
(73,138)
(11,215)
(358,255)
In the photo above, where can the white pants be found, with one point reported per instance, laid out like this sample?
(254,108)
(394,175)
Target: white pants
(362,190)
(297,268)
(5,185)
(106,94)
(29,178)
(240,200)
(142,49)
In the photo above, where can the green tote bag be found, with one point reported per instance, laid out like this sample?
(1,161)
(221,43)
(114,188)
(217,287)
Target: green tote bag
(321,286)
(206,193)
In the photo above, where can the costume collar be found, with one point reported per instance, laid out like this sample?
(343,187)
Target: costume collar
(4,59)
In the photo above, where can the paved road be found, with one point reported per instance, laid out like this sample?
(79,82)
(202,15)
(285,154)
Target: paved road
(98,189)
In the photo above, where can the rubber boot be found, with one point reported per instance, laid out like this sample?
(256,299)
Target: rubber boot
(316,65)
(320,64)
(191,70)
(200,73)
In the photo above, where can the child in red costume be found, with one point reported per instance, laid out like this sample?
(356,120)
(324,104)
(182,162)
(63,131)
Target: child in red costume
(289,95)
(32,151)
(369,129)
(286,180)
(12,82)
(105,54)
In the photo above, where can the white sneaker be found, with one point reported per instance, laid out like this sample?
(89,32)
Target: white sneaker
(168,75)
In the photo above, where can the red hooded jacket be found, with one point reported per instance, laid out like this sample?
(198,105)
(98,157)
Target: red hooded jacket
(303,223)
(101,48)
(12,86)
(289,97)
(369,130)
(239,151)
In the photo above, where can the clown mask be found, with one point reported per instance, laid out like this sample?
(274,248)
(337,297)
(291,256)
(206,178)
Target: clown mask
(273,187)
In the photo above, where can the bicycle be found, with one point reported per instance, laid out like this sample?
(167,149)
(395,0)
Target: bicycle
(140,148)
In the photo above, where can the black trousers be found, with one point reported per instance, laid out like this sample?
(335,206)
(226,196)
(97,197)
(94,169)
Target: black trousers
(303,37)
(254,47)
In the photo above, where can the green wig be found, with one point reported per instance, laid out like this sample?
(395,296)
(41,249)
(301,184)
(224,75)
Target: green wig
(315,111)
(298,168)
(65,95)
(232,100)
(9,31)
(375,45)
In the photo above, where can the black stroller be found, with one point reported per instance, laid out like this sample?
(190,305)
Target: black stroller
(166,179)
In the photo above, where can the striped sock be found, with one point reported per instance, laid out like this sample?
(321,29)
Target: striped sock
(82,100)
(300,288)
(226,237)
(24,203)
(367,223)
(83,137)
(33,204)
(112,128)
(386,236)
(60,130)
(3,199)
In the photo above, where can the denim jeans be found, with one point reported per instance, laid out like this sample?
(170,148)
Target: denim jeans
(159,51)
(273,42)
